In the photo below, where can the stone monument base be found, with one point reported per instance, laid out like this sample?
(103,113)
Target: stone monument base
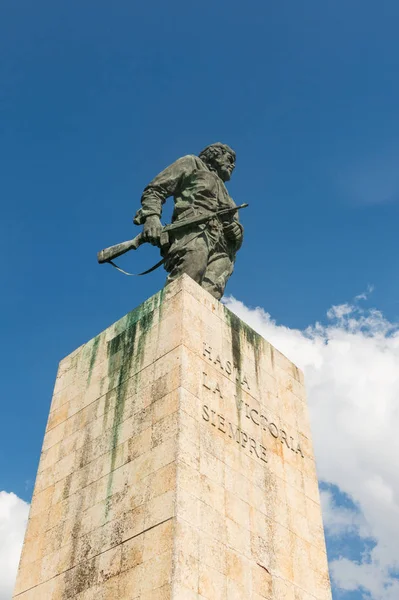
(177,464)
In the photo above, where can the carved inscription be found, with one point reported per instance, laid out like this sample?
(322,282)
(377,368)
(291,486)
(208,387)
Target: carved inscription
(235,433)
(226,366)
(255,416)
(260,420)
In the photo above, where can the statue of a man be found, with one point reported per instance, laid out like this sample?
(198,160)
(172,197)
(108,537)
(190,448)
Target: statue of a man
(206,252)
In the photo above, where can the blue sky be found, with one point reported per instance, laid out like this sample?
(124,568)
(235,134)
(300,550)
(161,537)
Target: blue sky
(97,97)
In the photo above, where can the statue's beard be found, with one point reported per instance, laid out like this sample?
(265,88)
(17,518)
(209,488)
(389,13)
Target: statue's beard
(225,174)
(222,170)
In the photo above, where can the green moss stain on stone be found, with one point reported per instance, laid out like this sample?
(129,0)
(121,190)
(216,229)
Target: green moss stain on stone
(93,356)
(106,409)
(257,343)
(240,331)
(234,323)
(125,355)
(135,315)
(118,377)
(161,297)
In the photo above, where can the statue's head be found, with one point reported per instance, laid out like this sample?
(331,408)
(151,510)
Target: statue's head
(220,158)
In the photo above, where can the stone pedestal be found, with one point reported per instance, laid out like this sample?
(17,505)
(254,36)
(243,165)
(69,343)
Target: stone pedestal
(177,464)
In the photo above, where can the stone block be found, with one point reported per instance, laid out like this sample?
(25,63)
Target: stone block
(177,464)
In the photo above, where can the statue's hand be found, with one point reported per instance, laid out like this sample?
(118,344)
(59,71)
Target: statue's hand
(233,232)
(152,230)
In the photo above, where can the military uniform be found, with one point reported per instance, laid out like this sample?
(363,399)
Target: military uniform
(203,251)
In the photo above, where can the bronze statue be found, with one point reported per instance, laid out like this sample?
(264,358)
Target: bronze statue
(205,233)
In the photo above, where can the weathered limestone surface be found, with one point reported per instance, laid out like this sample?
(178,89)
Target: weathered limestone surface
(177,464)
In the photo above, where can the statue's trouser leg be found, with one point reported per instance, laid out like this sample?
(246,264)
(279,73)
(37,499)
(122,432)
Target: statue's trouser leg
(191,259)
(218,271)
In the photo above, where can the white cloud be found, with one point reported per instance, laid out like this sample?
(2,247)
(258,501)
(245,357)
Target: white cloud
(340,520)
(351,366)
(13,518)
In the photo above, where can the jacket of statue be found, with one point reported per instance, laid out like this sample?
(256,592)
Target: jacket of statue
(196,189)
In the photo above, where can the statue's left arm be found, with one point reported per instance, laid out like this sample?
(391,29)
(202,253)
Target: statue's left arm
(157,191)
(163,186)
